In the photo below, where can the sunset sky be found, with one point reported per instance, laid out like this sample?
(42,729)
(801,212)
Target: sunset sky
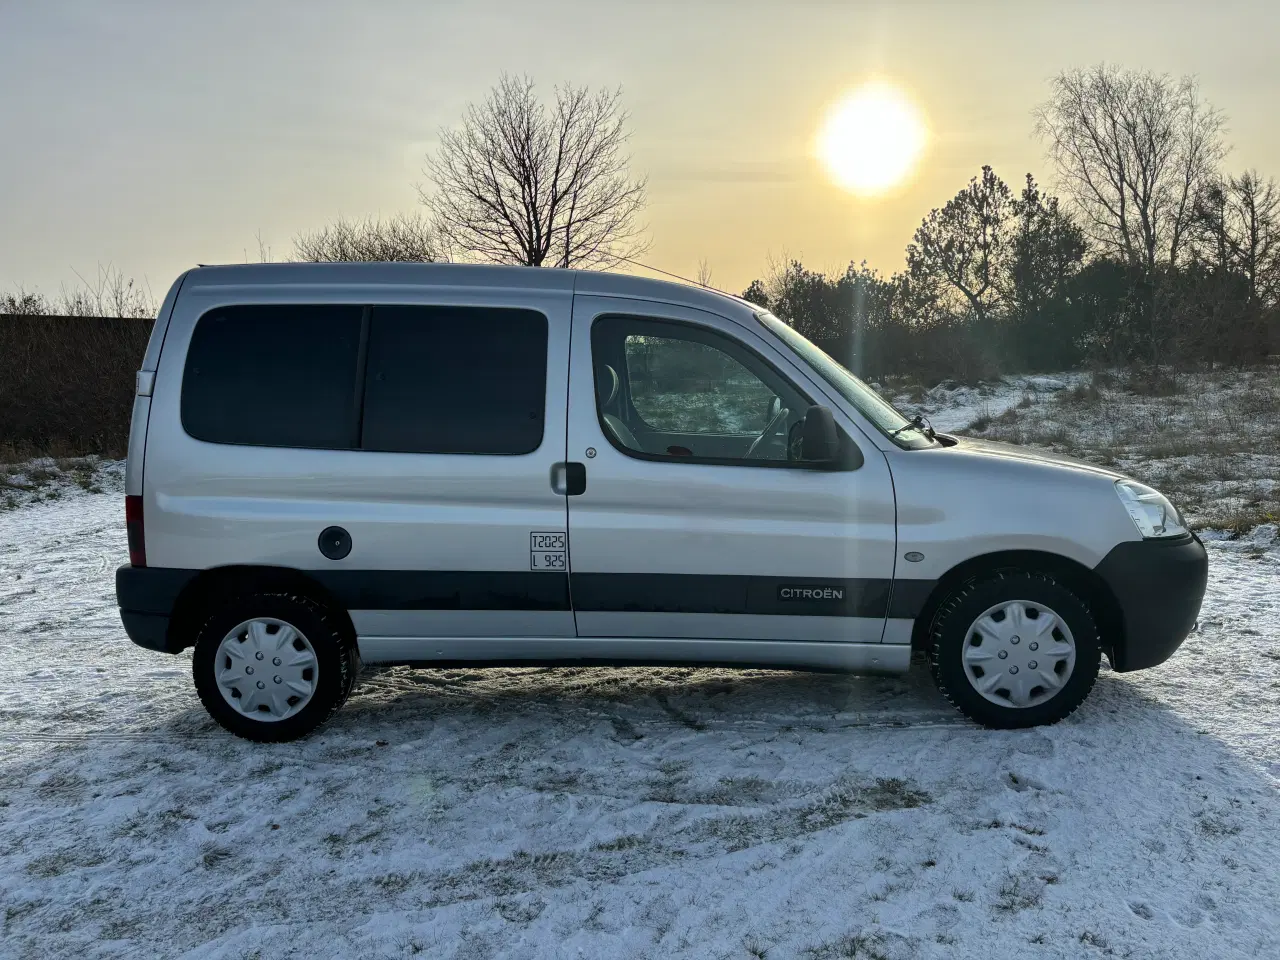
(154,135)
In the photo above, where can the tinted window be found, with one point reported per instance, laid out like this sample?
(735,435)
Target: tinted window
(276,376)
(455,380)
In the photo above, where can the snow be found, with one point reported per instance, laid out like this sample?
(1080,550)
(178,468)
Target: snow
(952,407)
(625,812)
(45,479)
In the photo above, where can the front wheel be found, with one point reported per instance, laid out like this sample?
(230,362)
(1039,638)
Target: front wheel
(1015,649)
(273,666)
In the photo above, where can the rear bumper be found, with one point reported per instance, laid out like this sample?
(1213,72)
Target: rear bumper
(147,596)
(1159,586)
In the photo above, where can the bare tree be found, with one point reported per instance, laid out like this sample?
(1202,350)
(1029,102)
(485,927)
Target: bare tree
(1133,149)
(111,294)
(406,237)
(967,242)
(518,182)
(1229,296)
(1251,229)
(704,273)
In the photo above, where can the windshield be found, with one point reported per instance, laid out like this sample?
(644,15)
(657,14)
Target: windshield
(870,404)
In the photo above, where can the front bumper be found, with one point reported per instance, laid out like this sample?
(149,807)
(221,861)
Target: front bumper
(147,596)
(1159,586)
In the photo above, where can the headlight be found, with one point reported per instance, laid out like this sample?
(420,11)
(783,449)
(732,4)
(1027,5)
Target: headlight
(1152,513)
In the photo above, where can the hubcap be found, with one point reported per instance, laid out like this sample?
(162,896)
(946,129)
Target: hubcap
(1019,654)
(266,669)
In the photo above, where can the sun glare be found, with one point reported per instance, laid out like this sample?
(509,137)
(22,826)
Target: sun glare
(872,139)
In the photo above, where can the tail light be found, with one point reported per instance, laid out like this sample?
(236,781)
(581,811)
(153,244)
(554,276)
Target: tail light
(133,525)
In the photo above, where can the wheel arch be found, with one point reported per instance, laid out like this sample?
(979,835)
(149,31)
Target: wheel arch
(204,591)
(1091,588)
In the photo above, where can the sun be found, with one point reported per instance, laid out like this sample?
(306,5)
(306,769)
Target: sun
(872,139)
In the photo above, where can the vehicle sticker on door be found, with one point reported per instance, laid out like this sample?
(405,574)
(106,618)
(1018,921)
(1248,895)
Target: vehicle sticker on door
(548,550)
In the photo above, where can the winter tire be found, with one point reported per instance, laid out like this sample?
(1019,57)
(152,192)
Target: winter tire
(1014,649)
(272,667)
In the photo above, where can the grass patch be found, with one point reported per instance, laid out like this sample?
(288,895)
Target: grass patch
(1241,520)
(1017,894)
(853,946)
(626,842)
(1153,382)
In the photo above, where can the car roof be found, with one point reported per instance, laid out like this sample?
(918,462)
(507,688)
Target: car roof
(587,282)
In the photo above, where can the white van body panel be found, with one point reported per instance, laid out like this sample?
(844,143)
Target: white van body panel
(979,498)
(669,519)
(135,463)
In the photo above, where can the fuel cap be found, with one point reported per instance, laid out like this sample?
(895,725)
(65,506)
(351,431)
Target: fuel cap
(335,543)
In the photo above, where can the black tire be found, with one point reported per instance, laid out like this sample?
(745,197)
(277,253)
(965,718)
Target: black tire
(969,601)
(337,663)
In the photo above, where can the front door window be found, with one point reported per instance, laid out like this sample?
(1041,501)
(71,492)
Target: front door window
(676,390)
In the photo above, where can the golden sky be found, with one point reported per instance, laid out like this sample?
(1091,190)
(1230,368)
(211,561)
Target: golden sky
(155,135)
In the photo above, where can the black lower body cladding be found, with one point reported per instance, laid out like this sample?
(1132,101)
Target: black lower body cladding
(146,596)
(1159,586)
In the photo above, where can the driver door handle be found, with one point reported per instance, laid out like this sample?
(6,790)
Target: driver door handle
(569,479)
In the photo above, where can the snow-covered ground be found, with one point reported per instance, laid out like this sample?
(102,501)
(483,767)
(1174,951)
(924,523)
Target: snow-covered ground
(625,812)
(46,480)
(952,406)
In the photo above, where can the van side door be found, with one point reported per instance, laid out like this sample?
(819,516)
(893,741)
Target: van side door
(697,520)
(420,424)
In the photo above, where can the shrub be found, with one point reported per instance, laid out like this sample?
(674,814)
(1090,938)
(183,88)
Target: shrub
(68,383)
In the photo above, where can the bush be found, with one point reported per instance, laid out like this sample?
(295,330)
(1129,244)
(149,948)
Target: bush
(67,384)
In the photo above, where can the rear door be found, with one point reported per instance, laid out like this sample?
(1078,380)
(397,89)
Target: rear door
(463,419)
(695,521)
(425,430)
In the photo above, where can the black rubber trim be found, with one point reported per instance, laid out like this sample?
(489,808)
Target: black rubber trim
(909,598)
(718,593)
(1159,586)
(148,630)
(154,591)
(151,590)
(445,589)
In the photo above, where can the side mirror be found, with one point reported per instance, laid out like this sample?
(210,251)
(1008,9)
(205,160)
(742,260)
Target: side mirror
(819,438)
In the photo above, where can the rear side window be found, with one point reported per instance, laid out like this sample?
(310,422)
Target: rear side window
(455,380)
(274,376)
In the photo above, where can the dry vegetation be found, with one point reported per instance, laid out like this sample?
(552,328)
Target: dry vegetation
(1210,441)
(68,382)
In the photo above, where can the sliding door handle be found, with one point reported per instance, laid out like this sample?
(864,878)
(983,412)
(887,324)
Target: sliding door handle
(569,479)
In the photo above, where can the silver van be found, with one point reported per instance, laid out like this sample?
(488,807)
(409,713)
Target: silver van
(433,464)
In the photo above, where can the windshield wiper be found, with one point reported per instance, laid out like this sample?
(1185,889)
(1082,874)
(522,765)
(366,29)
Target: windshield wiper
(918,422)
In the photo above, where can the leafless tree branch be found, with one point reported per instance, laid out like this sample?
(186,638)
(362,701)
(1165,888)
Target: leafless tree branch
(1133,150)
(517,182)
(405,237)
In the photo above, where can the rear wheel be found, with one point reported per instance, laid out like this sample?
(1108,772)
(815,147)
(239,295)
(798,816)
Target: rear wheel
(1015,649)
(273,666)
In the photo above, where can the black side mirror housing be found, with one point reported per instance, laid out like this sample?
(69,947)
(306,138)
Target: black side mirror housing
(819,438)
